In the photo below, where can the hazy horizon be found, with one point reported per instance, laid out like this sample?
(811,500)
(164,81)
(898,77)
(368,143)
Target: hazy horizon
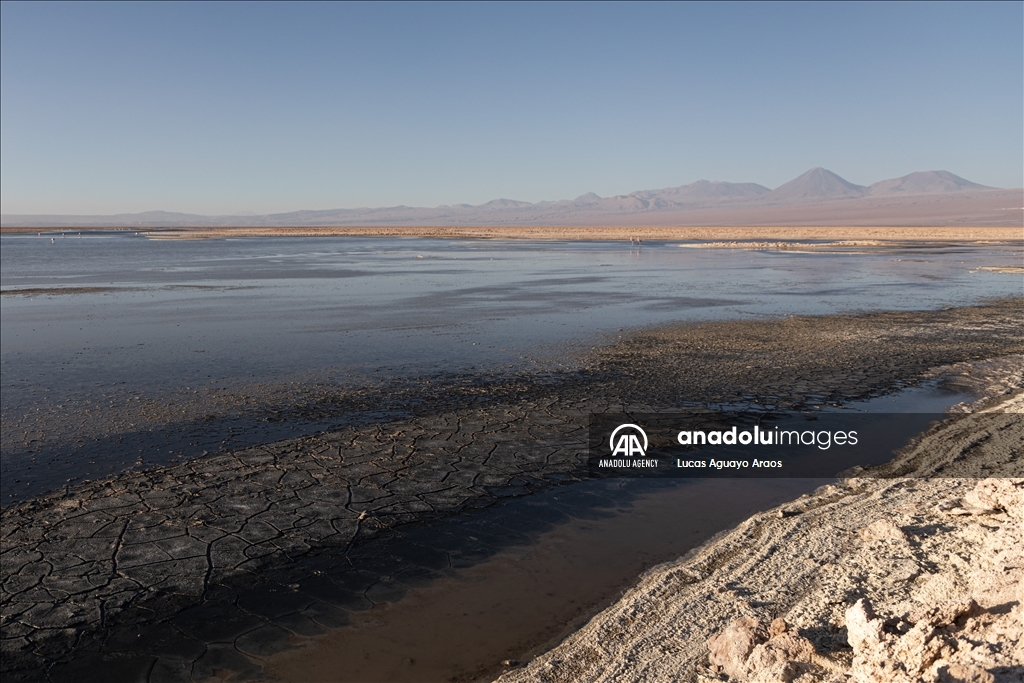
(270,108)
(699,202)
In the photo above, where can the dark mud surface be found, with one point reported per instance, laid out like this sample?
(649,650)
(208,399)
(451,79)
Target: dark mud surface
(199,569)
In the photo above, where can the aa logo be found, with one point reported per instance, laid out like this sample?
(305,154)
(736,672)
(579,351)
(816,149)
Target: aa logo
(625,440)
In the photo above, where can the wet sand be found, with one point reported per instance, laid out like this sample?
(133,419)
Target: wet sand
(54,291)
(208,567)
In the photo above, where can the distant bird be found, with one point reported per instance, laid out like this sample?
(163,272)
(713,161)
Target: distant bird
(52,241)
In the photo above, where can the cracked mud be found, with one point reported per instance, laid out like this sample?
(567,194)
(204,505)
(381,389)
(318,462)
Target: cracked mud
(194,570)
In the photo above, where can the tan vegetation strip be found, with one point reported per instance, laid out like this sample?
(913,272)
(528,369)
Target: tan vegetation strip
(1019,270)
(583,232)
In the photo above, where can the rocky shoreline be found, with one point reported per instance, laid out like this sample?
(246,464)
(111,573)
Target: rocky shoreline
(188,571)
(887,580)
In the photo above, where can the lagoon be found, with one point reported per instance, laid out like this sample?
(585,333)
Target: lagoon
(122,351)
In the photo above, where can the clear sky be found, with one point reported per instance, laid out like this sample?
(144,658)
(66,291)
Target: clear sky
(235,107)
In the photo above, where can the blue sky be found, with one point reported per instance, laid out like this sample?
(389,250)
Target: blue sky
(232,107)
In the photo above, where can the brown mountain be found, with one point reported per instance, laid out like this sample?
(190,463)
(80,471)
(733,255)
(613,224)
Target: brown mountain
(816,185)
(816,197)
(924,182)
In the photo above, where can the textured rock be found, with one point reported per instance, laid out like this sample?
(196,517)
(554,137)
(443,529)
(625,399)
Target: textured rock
(940,644)
(747,651)
(883,530)
(729,650)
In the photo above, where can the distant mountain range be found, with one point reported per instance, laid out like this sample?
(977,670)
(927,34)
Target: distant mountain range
(816,197)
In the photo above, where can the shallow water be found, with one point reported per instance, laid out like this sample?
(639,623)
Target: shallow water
(149,333)
(266,307)
(527,573)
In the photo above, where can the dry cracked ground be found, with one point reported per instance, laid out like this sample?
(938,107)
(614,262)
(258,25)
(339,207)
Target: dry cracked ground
(189,571)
